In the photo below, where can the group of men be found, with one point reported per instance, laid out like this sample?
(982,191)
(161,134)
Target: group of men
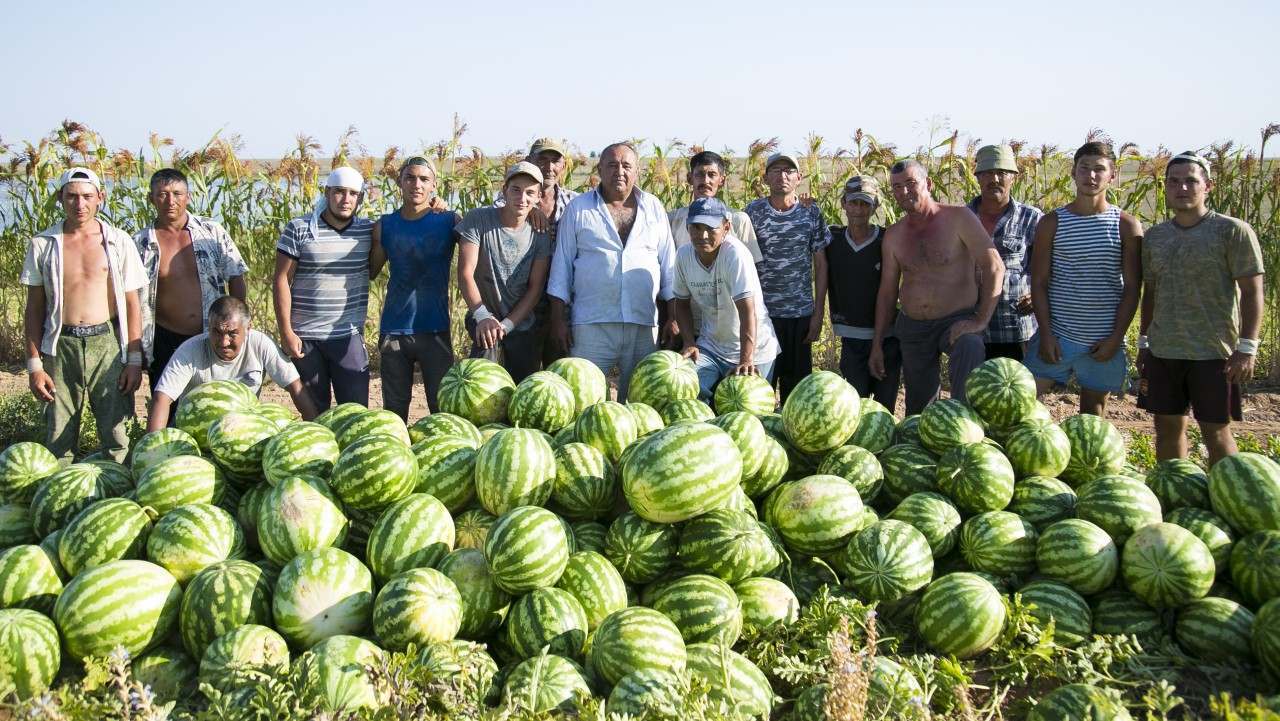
(610,276)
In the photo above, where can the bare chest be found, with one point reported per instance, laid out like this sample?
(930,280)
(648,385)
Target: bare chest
(177,257)
(931,249)
(84,261)
(624,218)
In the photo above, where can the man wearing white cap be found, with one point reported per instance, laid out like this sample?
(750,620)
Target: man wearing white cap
(321,291)
(83,320)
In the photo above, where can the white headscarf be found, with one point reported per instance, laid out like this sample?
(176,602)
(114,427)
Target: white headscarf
(344,177)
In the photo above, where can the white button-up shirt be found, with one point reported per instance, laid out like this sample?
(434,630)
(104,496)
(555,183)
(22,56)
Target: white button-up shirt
(604,280)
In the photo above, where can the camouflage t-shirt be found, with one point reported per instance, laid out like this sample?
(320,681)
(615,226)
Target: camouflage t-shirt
(1193,273)
(787,241)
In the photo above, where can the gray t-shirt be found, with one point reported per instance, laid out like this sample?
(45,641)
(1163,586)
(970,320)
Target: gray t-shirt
(505,260)
(330,291)
(194,363)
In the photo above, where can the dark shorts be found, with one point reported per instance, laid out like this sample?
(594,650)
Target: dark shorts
(399,353)
(1016,351)
(1169,386)
(855,357)
(923,342)
(163,345)
(335,369)
(795,356)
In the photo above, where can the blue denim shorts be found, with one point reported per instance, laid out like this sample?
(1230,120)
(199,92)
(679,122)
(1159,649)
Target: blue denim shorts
(1108,377)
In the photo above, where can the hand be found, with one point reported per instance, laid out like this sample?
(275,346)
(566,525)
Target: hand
(690,352)
(130,379)
(1140,363)
(815,328)
(437,205)
(41,386)
(668,333)
(746,367)
(561,334)
(1050,351)
(1239,367)
(806,200)
(1103,350)
(488,332)
(292,344)
(875,362)
(1024,305)
(964,327)
(538,220)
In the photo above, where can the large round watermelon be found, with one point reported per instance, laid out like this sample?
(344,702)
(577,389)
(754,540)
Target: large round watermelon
(543,401)
(22,466)
(876,426)
(704,608)
(189,538)
(821,412)
(371,421)
(544,683)
(447,468)
(648,420)
(373,472)
(727,544)
(1079,701)
(133,604)
(1255,567)
(1097,449)
(221,598)
(934,516)
(238,440)
(686,410)
(1178,482)
(1002,391)
(1216,630)
(200,407)
(419,606)
(296,515)
(960,614)
(1266,636)
(749,435)
(29,652)
(1057,602)
(856,465)
(231,661)
(178,481)
(1038,447)
(1118,504)
(414,532)
(734,681)
(680,472)
(1210,528)
(586,484)
(977,477)
(636,638)
(112,529)
(647,693)
(948,423)
(641,550)
(661,377)
(608,426)
(1245,490)
(887,561)
(322,593)
(999,543)
(765,602)
(1166,565)
(67,492)
(159,445)
(596,584)
(774,464)
(527,548)
(1079,554)
(515,467)
(1042,501)
(444,424)
(478,390)
(750,393)
(341,664)
(908,468)
(484,605)
(816,514)
(306,449)
(549,618)
(29,579)
(587,381)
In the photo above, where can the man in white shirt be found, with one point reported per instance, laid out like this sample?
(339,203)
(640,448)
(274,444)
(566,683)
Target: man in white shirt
(614,263)
(229,350)
(715,274)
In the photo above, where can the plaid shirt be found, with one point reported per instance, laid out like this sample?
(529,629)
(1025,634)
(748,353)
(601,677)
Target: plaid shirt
(563,196)
(1013,235)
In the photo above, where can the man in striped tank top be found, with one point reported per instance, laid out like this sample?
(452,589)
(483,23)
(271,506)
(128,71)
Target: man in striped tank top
(1085,270)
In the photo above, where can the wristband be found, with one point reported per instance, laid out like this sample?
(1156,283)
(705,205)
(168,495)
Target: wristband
(134,359)
(34,365)
(507,325)
(481,313)
(1143,343)
(1248,346)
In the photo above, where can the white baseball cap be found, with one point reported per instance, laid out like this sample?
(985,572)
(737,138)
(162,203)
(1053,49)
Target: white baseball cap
(79,175)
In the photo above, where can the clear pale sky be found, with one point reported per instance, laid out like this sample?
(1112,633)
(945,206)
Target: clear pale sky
(1179,74)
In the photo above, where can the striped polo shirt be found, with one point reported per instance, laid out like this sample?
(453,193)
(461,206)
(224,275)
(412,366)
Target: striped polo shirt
(1085,277)
(330,291)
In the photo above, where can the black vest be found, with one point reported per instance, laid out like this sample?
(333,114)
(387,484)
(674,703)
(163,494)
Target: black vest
(853,279)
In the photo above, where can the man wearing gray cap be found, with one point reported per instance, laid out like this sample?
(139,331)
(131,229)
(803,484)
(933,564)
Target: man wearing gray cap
(83,320)
(1012,227)
(502,270)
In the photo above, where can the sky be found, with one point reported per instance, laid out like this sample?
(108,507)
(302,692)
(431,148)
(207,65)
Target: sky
(718,74)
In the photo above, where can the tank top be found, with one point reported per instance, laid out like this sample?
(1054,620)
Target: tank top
(1085,282)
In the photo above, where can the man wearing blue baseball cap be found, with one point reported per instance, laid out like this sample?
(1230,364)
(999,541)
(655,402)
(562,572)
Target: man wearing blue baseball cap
(716,275)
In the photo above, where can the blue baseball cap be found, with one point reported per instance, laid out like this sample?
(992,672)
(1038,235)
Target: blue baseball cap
(708,211)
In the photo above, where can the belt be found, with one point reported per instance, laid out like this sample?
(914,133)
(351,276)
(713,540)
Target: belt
(86,331)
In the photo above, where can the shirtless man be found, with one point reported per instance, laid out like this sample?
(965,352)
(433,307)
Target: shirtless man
(83,321)
(951,277)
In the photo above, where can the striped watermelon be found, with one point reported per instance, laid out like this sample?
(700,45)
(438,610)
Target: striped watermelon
(999,543)
(876,426)
(1117,613)
(301,449)
(22,466)
(342,666)
(704,608)
(856,465)
(820,413)
(748,434)
(359,524)
(1042,501)
(527,548)
(586,484)
(948,423)
(1179,483)
(159,445)
(1166,565)
(414,532)
(192,537)
(478,390)
(1245,490)
(933,516)
(461,660)
(648,419)
(443,424)
(543,684)
(750,393)
(200,407)
(115,477)
(588,382)
(765,601)
(238,440)
(569,434)
(1097,449)
(373,472)
(641,550)
(680,472)
(1057,602)
(589,535)
(977,477)
(887,561)
(816,514)
(221,598)
(1002,391)
(908,431)
(661,377)
(805,576)
(1079,701)
(608,426)
(168,671)
(64,494)
(1208,527)
(727,544)
(648,693)
(542,401)
(247,509)
(277,414)
(447,468)
(1079,554)
(686,410)
(231,661)
(1216,630)
(337,417)
(296,515)
(734,682)
(29,653)
(15,525)
(908,468)
(370,421)
(484,605)
(547,618)
(28,579)
(598,587)
(471,528)
(516,467)
(961,614)
(178,481)
(133,604)
(321,594)
(1038,448)
(633,639)
(1255,567)
(109,530)
(419,606)
(1266,637)
(774,465)
(1120,505)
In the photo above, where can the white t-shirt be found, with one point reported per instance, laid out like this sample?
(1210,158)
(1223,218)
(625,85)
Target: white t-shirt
(713,291)
(195,363)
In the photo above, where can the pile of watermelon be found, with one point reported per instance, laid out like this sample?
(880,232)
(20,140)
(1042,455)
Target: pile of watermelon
(557,542)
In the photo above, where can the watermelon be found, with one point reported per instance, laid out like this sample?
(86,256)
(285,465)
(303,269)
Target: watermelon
(948,423)
(597,586)
(230,661)
(515,467)
(648,420)
(1002,391)
(1079,554)
(933,516)
(414,532)
(238,440)
(774,465)
(680,472)
(1255,567)
(1266,637)
(296,515)
(247,509)
(805,576)
(816,514)
(1042,501)
(887,561)
(1210,528)
(202,406)
(478,390)
(371,421)
(483,604)
(159,445)
(876,427)
(661,377)
(109,530)
(820,413)
(543,401)
(1179,483)
(133,604)
(547,618)
(419,606)
(748,434)
(589,535)
(977,477)
(1080,702)
(337,417)
(320,594)
(447,468)
(544,683)
(999,543)
(471,528)
(587,381)
(586,484)
(704,608)
(608,426)
(373,472)
(856,465)
(29,653)
(15,525)
(277,414)
(641,550)
(444,424)
(29,579)
(647,693)
(1118,613)
(526,548)
(750,393)
(960,614)
(1216,630)
(220,598)
(727,544)
(1166,565)
(66,493)
(908,431)
(1057,602)
(686,410)
(341,664)
(636,638)
(189,538)
(168,671)
(908,469)
(178,481)
(764,602)
(1245,490)
(1038,448)
(460,662)
(1118,504)
(22,466)
(1097,449)
(301,449)
(734,682)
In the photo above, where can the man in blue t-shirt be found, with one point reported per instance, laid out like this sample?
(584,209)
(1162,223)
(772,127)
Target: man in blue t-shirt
(417,240)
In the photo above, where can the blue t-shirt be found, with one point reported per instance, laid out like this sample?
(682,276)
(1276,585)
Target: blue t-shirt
(419,253)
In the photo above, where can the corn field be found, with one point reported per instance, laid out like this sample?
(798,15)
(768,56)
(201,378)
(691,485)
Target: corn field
(253,199)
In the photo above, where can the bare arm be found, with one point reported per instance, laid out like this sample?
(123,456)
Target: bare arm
(1240,365)
(682,309)
(377,254)
(40,382)
(746,336)
(302,399)
(1131,270)
(1041,271)
(987,262)
(237,287)
(131,377)
(820,281)
(886,304)
(283,301)
(158,415)
(533,292)
(468,256)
